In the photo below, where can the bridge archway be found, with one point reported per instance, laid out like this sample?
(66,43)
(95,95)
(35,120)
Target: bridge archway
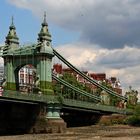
(26,78)
(23,66)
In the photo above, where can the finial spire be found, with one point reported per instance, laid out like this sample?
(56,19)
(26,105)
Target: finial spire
(12,26)
(44,32)
(12,20)
(12,37)
(44,21)
(45,17)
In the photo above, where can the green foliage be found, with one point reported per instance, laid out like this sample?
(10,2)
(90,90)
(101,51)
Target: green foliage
(67,92)
(10,86)
(46,87)
(130,106)
(56,87)
(98,91)
(137,110)
(73,81)
(135,119)
(132,98)
(113,99)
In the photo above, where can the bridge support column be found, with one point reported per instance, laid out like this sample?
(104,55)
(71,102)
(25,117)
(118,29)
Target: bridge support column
(55,123)
(49,120)
(9,74)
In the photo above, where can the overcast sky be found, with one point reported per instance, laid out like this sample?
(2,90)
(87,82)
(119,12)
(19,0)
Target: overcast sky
(95,35)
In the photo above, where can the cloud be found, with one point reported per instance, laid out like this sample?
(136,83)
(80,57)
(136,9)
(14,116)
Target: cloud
(109,34)
(93,55)
(108,23)
(77,54)
(119,58)
(118,62)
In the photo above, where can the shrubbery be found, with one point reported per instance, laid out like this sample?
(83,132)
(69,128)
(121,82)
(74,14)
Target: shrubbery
(135,119)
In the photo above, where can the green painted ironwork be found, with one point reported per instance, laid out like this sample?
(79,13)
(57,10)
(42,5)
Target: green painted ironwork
(88,78)
(56,100)
(40,56)
(16,95)
(84,93)
(92,106)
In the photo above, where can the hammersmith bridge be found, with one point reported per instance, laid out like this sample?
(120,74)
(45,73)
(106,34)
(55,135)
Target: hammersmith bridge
(46,108)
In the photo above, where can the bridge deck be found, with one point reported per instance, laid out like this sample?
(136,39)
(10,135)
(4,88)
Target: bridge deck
(69,103)
(15,96)
(22,97)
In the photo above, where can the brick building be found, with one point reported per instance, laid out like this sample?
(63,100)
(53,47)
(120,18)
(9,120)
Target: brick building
(99,77)
(26,75)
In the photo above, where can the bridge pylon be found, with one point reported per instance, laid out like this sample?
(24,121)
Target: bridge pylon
(40,56)
(44,69)
(11,43)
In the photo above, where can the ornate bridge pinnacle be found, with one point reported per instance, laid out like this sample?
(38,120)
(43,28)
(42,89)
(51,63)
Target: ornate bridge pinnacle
(12,21)
(12,26)
(45,18)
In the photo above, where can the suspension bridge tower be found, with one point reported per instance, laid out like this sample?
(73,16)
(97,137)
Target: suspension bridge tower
(40,56)
(11,43)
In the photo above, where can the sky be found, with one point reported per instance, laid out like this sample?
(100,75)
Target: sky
(101,36)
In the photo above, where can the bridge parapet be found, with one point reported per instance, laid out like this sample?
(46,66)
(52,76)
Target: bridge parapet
(92,107)
(61,102)
(37,98)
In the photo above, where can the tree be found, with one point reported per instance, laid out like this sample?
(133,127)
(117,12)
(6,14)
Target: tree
(135,118)
(132,97)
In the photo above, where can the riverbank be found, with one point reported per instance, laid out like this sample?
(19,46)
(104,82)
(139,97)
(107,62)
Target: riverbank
(95,132)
